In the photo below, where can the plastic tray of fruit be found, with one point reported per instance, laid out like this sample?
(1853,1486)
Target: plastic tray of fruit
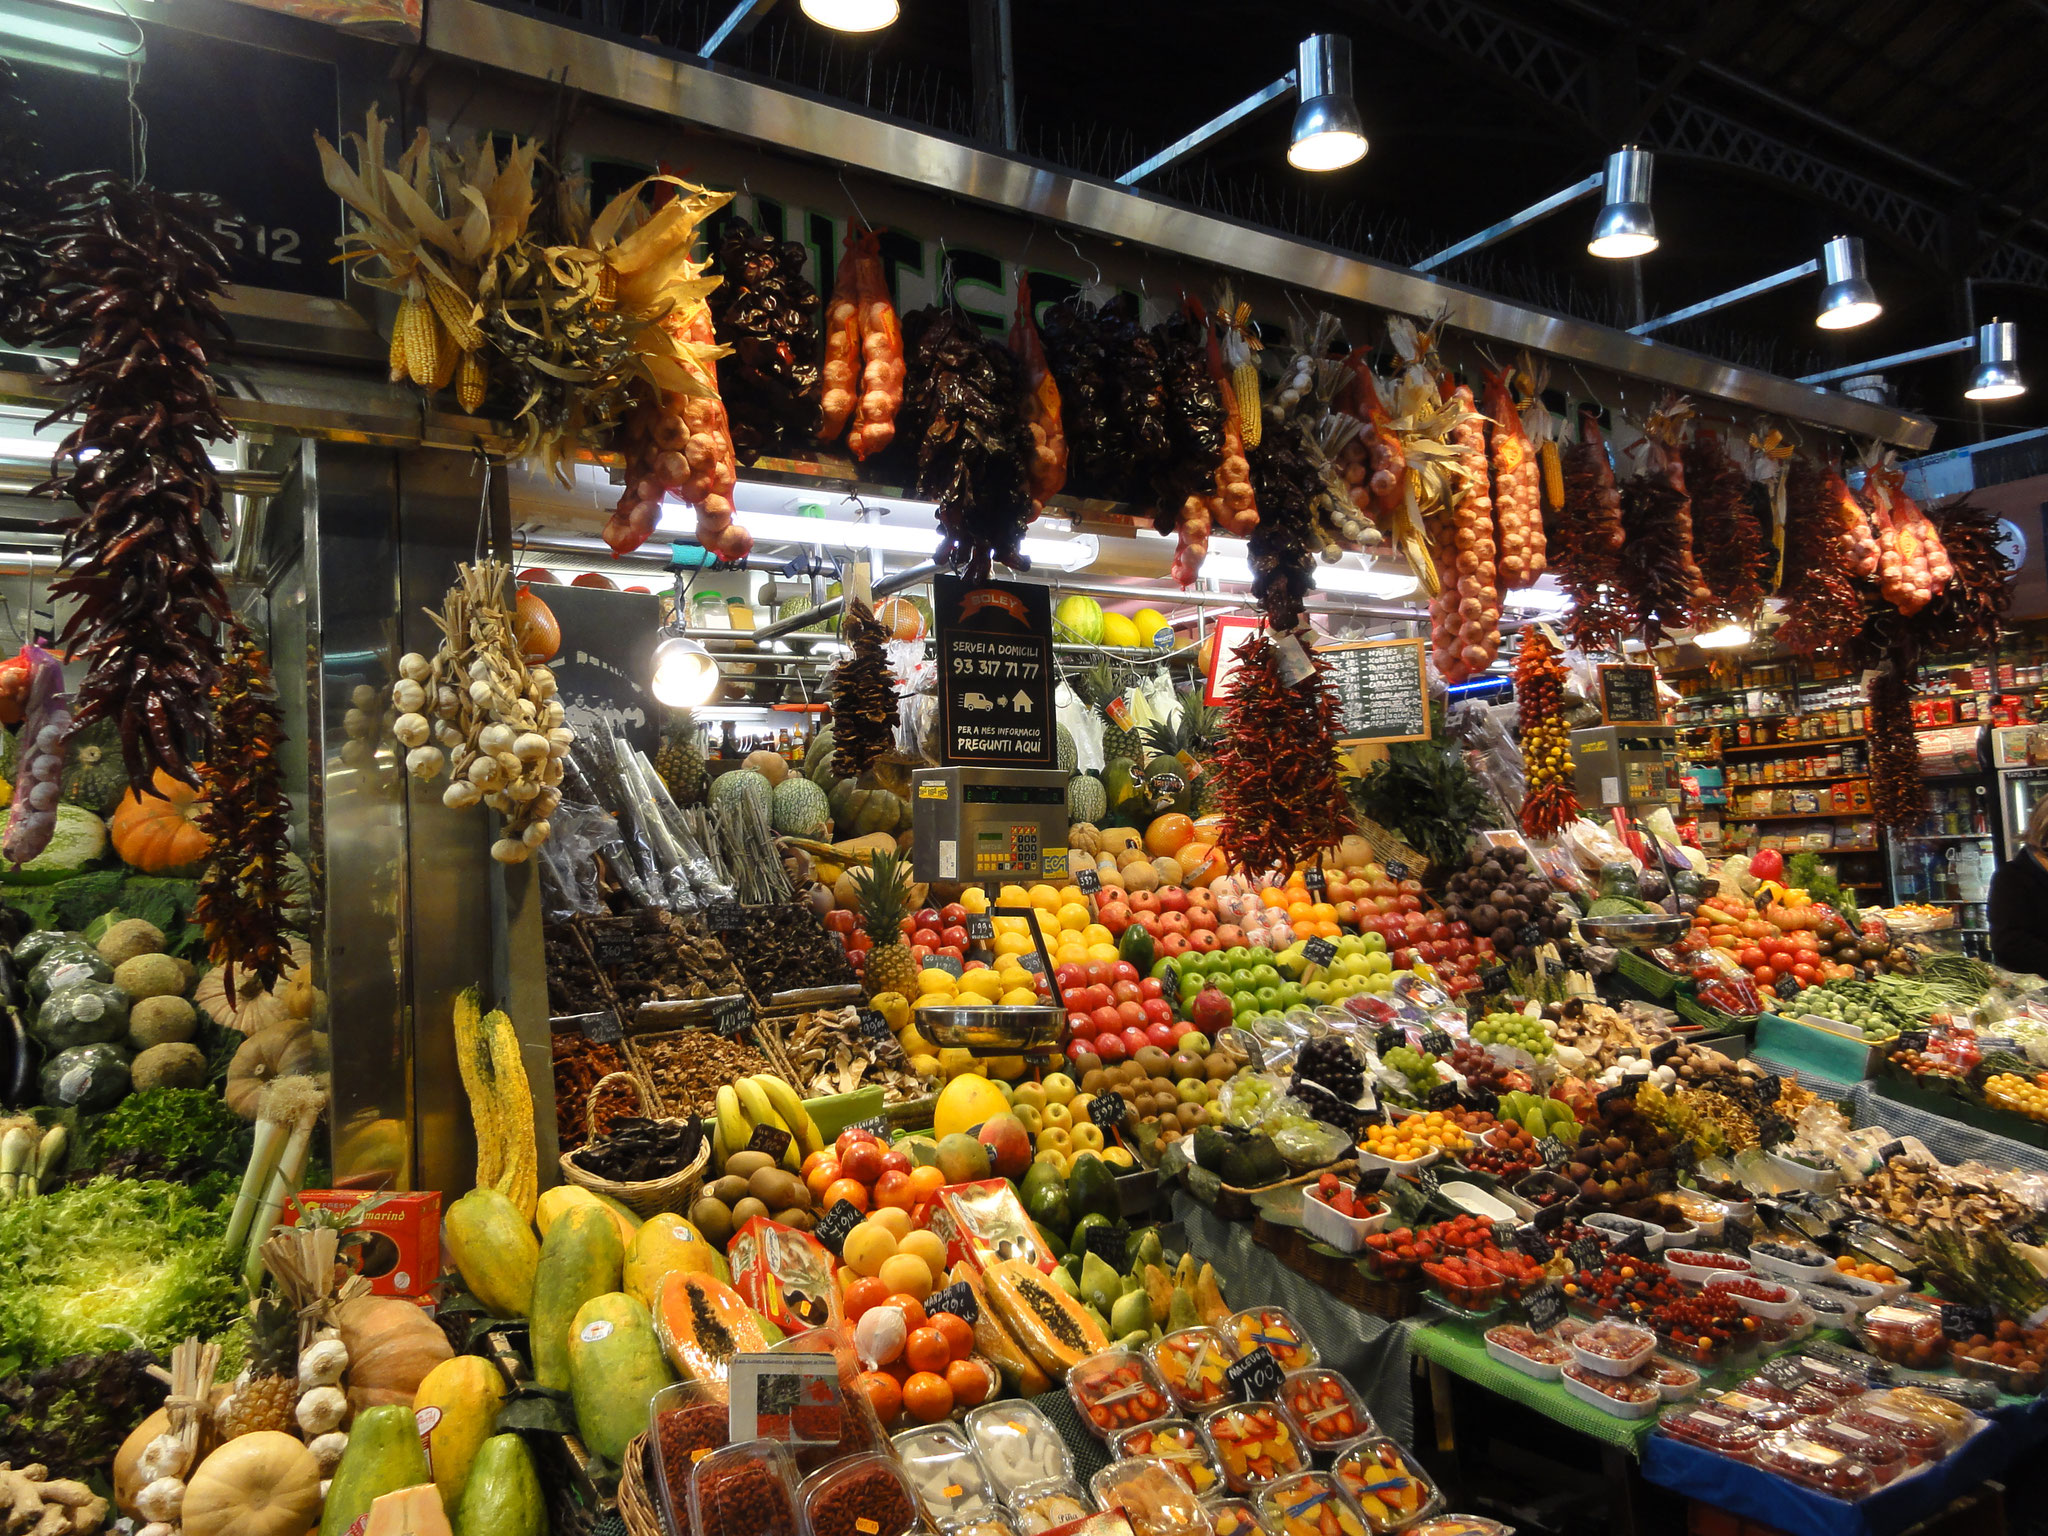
(1527,1351)
(1626,1397)
(1114,1390)
(1793,1456)
(1236,1517)
(1675,1381)
(1460,1525)
(1310,1504)
(946,1474)
(1153,1496)
(1710,1428)
(1759,1403)
(1180,1445)
(1018,1444)
(1613,1349)
(1463,1285)
(1904,1333)
(1874,1274)
(1330,1224)
(1855,1293)
(1255,1444)
(1039,1507)
(1885,1458)
(1271,1327)
(1325,1408)
(1519,1274)
(1612,1226)
(1781,1260)
(1192,1362)
(1759,1298)
(1704,1351)
(1388,1485)
(2017,1375)
(1698,1266)
(1397,1254)
(1921,1439)
(1367,1158)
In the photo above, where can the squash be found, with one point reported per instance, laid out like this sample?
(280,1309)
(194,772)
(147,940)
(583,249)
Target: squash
(251,1008)
(456,1408)
(414,1511)
(553,1202)
(280,1051)
(504,1497)
(494,1250)
(392,1345)
(301,997)
(260,1484)
(158,833)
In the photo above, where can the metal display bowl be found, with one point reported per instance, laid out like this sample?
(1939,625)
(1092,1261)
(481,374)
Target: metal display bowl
(1637,930)
(996,1031)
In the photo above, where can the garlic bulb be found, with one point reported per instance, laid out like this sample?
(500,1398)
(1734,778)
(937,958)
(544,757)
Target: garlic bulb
(412,730)
(448,735)
(520,791)
(510,850)
(536,833)
(533,747)
(414,667)
(545,802)
(500,802)
(460,795)
(162,1500)
(560,740)
(447,703)
(358,723)
(408,695)
(495,738)
(553,715)
(540,684)
(485,773)
(162,1457)
(321,1364)
(322,1409)
(481,693)
(424,762)
(327,1449)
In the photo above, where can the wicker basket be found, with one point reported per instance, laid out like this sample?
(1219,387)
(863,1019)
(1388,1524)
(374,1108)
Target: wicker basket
(638,1495)
(649,1196)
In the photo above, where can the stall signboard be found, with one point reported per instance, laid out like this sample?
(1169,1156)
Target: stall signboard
(1628,695)
(996,675)
(606,660)
(1232,635)
(1382,689)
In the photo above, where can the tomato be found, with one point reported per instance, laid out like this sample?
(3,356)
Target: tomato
(1764,976)
(1750,957)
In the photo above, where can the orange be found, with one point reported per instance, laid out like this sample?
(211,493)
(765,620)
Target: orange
(1298,911)
(883,1394)
(812,1161)
(1323,912)
(925,1182)
(1168,834)
(926,1350)
(968,1381)
(912,1310)
(1272,897)
(866,1292)
(958,1331)
(820,1176)
(850,1190)
(927,1397)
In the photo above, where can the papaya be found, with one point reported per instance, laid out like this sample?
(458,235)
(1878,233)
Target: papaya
(455,1409)
(408,1512)
(384,1454)
(1021,1374)
(615,1366)
(494,1250)
(663,1243)
(1091,1191)
(548,1209)
(702,1323)
(503,1496)
(1054,1328)
(581,1257)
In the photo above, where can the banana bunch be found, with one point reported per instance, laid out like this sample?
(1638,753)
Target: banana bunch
(763,1099)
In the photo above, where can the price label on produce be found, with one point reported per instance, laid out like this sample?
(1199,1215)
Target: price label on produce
(733,1017)
(950,964)
(600,1028)
(1371,1180)
(725,917)
(1504,1234)
(1493,979)
(1316,881)
(1257,1375)
(1169,982)
(1442,1096)
(1109,1110)
(878,1125)
(1584,1252)
(793,1398)
(1396,871)
(837,1224)
(1089,881)
(1555,967)
(872,1025)
(1912,1040)
(1436,1042)
(1484,1100)
(1428,1181)
(1545,1306)
(1029,961)
(612,946)
(1632,1244)
(1960,1322)
(1319,951)
(957,1299)
(1109,1244)
(1555,1154)
(770,1139)
(1390,1037)
(980,926)
(1891,1149)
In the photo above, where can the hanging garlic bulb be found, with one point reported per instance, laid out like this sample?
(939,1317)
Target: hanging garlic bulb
(511,850)
(460,795)
(412,730)
(424,762)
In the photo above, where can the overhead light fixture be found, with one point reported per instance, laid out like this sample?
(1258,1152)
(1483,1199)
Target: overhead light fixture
(1998,359)
(851,15)
(1726,638)
(1625,226)
(685,674)
(1070,554)
(1328,133)
(1848,300)
(81,39)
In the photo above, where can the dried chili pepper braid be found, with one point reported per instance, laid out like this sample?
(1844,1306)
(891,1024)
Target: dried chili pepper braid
(1550,801)
(242,808)
(1898,793)
(863,694)
(24,205)
(134,273)
(1587,555)
(1823,607)
(1276,765)
(1727,542)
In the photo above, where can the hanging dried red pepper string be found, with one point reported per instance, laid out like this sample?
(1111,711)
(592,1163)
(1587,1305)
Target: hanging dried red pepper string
(243,809)
(1277,765)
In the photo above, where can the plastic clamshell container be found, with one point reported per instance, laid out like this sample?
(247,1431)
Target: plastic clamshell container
(1114,1389)
(1885,1458)
(1710,1428)
(1255,1444)
(1038,1507)
(1282,1336)
(1788,1261)
(2017,1378)
(1626,1397)
(1153,1496)
(1327,1224)
(1700,1350)
(1903,1333)
(1528,1352)
(1857,1294)
(1467,1196)
(1950,1417)
(1767,1411)
(1386,1483)
(685,1418)
(1782,1303)
(1178,1443)
(946,1474)
(1460,1525)
(1822,1468)
(1697,1266)
(991,1525)
(1675,1381)
(1325,1408)
(849,1496)
(1827,1309)
(1466,1302)
(1921,1440)
(1191,1362)
(1608,1221)
(1613,1349)
(1837,1381)
(1294,1507)
(748,1490)
(860,1430)
(1394,1165)
(1236,1517)
(1018,1445)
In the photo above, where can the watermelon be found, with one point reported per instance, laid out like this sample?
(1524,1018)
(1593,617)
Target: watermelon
(1078,620)
(1070,754)
(799,809)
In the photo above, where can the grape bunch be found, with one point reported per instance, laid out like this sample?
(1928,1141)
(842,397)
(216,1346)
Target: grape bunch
(1419,1067)
(1332,1064)
(1516,1029)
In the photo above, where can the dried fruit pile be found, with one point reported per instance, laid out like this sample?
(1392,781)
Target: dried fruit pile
(965,410)
(242,808)
(1277,763)
(863,694)
(1549,802)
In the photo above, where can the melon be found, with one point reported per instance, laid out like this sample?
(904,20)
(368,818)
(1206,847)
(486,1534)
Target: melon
(772,766)
(1078,620)
(1070,754)
(860,811)
(798,808)
(1087,800)
(743,784)
(1117,629)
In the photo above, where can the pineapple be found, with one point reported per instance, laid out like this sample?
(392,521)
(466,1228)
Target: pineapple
(680,762)
(1120,740)
(267,1396)
(884,900)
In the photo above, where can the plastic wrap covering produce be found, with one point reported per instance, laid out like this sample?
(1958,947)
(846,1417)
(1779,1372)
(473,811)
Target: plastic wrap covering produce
(39,777)
(964,411)
(1517,489)
(1728,541)
(1658,568)
(766,311)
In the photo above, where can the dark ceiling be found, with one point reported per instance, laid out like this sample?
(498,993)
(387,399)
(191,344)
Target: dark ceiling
(1778,123)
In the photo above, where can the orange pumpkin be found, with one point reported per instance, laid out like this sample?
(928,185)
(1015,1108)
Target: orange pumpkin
(157,834)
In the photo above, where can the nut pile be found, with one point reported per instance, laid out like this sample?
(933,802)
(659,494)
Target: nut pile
(1597,1030)
(573,986)
(829,1054)
(689,1066)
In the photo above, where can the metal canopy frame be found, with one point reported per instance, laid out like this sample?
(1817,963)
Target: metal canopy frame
(470,33)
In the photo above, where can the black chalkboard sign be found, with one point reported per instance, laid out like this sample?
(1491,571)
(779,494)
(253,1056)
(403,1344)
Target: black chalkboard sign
(1089,880)
(1535,1243)
(1382,690)
(995,672)
(980,926)
(1109,1244)
(606,659)
(1108,1110)
(600,1028)
(872,1025)
(1584,1252)
(734,1017)
(1545,1306)
(837,1224)
(1396,870)
(1493,979)
(725,917)
(1555,1153)
(1959,1322)
(1318,951)
(1314,879)
(1257,1375)
(769,1139)
(612,946)
(957,1299)
(1628,695)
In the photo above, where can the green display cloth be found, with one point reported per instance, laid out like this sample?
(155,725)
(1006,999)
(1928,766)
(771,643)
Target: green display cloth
(1460,1349)
(1370,1352)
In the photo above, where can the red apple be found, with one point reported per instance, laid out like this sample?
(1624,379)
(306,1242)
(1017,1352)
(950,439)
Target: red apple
(1151,987)
(1126,992)
(1404,959)
(1098,974)
(1069,977)
(1107,1021)
(897,1159)
(851,1136)
(1133,1016)
(956,936)
(1133,1037)
(1161,1035)
(928,917)
(1080,1045)
(1110,1047)
(1158,1015)
(1123,970)
(927,936)
(1079,1026)
(952,912)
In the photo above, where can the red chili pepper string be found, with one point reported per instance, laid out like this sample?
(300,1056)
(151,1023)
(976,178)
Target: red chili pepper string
(1277,764)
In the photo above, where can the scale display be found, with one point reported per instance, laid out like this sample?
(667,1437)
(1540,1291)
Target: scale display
(989,824)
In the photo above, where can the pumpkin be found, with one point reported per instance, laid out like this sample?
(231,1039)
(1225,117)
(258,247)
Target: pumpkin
(301,997)
(260,1484)
(157,833)
(284,1049)
(538,630)
(392,1345)
(251,1008)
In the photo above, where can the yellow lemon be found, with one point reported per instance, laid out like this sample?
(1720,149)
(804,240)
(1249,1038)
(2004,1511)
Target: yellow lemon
(1047,896)
(974,899)
(984,984)
(1106,953)
(1012,896)
(1095,933)
(1073,893)
(1018,997)
(1014,944)
(933,981)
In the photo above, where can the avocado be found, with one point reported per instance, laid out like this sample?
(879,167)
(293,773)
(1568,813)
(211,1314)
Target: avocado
(1210,1146)
(1101,1286)
(1051,1239)
(1078,1244)
(1045,1197)
(1136,946)
(1091,1191)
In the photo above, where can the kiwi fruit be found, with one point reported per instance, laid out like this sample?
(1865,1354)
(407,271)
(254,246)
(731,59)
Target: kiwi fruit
(746,1211)
(730,1190)
(744,1165)
(778,1190)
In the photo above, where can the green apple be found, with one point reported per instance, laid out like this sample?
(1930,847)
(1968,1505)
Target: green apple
(1319,991)
(1242,975)
(1269,998)
(1243,1006)
(1291,995)
(1192,1090)
(1382,964)
(1194,1043)
(1266,974)
(1350,965)
(1375,941)
(1260,955)
(1351,944)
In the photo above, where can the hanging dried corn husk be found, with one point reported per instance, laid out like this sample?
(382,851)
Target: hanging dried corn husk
(1239,345)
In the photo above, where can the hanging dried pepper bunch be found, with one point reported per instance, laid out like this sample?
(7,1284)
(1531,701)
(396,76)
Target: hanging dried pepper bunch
(135,273)
(1823,607)
(1183,490)
(1549,801)
(965,412)
(1283,546)
(1076,341)
(242,808)
(24,205)
(1586,554)
(1658,569)
(863,694)
(1728,542)
(1043,410)
(1276,766)
(1898,793)
(766,311)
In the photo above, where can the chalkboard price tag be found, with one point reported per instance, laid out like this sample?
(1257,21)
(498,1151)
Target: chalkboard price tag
(733,1017)
(1108,1110)
(1109,1244)
(1959,1322)
(957,1299)
(1390,1037)
(1769,1087)
(1436,1042)
(1316,881)
(1396,871)
(1443,1096)
(600,1028)
(1555,1154)
(1319,951)
(1535,1243)
(1632,1244)
(1504,1234)
(612,946)
(980,926)
(872,1025)
(1088,880)
(1545,1306)
(1493,979)
(1628,695)
(769,1139)
(1661,1051)
(1891,1149)
(876,1125)
(1029,961)
(1429,1181)
(1912,1040)
(950,964)
(1169,982)
(1549,1218)
(837,1224)
(725,916)
(1788,987)
(1624,1089)
(1555,967)
(1371,1180)
(1257,1375)
(1584,1252)
(1484,1100)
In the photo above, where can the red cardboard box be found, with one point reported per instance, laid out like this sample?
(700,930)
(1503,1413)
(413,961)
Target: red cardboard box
(984,1222)
(395,1241)
(785,1275)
